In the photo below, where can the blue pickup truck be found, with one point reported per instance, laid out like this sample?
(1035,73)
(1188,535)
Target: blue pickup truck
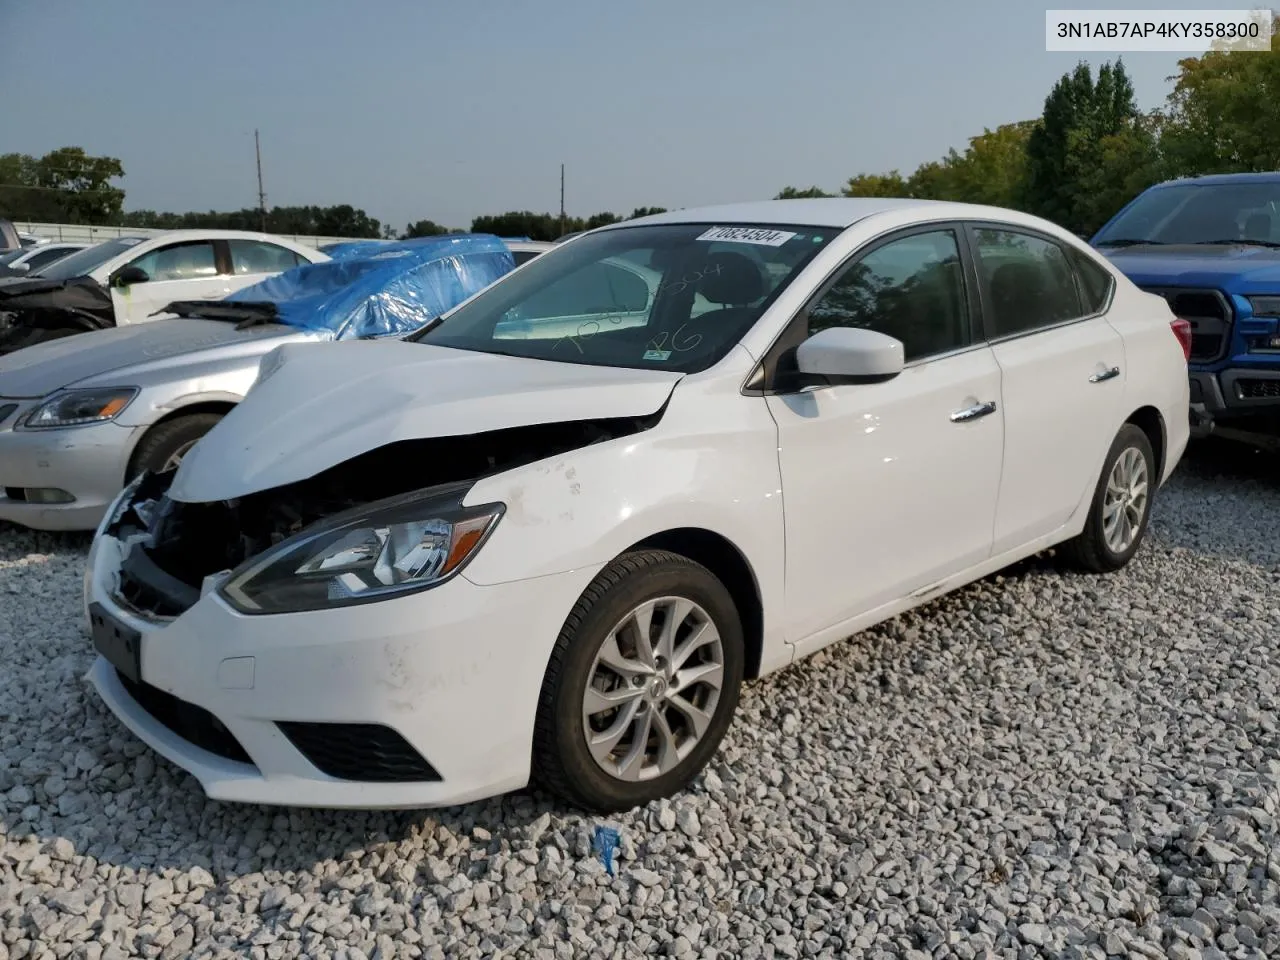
(1211,247)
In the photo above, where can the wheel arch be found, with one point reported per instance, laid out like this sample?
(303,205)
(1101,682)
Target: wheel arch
(730,566)
(220,407)
(1149,420)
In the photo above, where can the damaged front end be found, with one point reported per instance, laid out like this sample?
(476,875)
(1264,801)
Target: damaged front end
(35,310)
(386,522)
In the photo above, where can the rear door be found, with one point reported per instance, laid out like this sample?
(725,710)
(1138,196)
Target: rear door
(186,270)
(1062,377)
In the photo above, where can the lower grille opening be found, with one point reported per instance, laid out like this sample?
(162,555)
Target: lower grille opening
(194,724)
(1254,389)
(366,752)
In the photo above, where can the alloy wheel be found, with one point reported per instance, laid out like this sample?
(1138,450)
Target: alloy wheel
(1125,505)
(653,688)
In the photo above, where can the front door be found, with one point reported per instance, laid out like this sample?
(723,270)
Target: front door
(177,271)
(890,487)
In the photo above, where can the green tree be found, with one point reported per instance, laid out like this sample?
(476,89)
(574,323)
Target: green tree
(65,185)
(600,220)
(888,184)
(423,228)
(1223,115)
(1079,114)
(639,212)
(794,193)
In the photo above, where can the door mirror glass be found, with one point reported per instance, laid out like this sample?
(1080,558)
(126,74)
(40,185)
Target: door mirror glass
(20,267)
(128,276)
(849,355)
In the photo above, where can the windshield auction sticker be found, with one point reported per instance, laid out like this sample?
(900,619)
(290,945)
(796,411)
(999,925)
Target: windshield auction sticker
(765,238)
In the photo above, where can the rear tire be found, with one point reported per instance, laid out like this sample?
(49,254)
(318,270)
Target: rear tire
(665,687)
(164,445)
(1121,506)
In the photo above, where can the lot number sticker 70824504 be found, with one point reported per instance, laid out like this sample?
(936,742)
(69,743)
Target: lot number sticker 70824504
(765,238)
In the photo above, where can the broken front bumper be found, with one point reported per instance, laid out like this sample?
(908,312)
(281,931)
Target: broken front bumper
(257,708)
(85,465)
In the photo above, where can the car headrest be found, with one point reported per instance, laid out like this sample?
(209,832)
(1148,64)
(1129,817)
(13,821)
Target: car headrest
(731,279)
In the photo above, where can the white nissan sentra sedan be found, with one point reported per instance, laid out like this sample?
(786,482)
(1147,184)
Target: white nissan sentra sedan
(417,572)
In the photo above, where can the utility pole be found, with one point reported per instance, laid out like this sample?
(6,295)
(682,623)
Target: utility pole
(262,197)
(562,199)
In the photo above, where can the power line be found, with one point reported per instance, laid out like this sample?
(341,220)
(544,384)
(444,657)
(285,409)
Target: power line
(262,197)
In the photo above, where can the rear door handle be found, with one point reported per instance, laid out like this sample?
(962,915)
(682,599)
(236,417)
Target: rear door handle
(974,412)
(1105,375)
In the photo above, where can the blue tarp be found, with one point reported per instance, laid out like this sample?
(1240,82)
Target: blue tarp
(384,288)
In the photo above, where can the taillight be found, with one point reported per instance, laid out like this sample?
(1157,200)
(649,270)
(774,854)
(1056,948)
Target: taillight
(1182,330)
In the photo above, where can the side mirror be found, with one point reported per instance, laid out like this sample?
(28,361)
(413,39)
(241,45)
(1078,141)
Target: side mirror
(20,267)
(839,355)
(128,276)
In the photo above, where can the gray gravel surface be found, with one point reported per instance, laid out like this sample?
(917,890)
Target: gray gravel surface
(1040,765)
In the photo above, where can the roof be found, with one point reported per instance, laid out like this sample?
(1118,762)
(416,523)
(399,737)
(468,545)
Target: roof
(1269,176)
(210,234)
(816,212)
(838,212)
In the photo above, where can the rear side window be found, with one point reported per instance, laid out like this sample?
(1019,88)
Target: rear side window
(37,260)
(1095,282)
(257,256)
(1027,282)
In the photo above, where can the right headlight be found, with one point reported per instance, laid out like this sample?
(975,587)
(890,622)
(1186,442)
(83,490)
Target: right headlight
(399,546)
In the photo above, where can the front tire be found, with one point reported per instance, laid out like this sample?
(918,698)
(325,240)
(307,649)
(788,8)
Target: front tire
(164,445)
(1121,506)
(642,683)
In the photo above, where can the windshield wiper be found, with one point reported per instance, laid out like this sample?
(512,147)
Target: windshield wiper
(244,314)
(1249,243)
(1130,242)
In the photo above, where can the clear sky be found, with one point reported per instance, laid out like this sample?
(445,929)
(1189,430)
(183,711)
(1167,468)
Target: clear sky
(445,110)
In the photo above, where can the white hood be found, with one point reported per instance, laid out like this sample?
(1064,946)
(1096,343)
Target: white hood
(322,404)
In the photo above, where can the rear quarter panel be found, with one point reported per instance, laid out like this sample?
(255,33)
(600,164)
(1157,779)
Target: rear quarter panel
(1155,366)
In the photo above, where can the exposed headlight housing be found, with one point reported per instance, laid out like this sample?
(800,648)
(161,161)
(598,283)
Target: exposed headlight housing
(74,408)
(1265,306)
(387,549)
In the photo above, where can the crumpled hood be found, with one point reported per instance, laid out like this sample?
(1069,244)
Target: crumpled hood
(120,352)
(322,404)
(1234,268)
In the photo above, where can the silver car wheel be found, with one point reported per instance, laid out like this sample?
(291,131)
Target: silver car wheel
(653,688)
(1125,504)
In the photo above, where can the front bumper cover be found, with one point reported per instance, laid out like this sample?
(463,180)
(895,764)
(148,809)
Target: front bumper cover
(456,671)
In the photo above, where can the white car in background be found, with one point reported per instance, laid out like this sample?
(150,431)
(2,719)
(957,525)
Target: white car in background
(33,259)
(128,279)
(417,572)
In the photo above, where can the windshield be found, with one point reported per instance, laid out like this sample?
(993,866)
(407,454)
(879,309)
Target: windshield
(87,260)
(671,297)
(1200,213)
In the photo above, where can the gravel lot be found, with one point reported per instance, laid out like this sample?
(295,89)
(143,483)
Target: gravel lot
(1040,765)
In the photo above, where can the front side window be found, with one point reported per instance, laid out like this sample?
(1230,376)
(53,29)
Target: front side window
(910,289)
(179,261)
(258,256)
(670,297)
(1027,282)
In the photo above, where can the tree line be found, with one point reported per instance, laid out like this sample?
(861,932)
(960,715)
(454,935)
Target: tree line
(1089,152)
(1092,150)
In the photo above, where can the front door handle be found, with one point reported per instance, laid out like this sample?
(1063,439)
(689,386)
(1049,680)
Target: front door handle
(1105,375)
(974,412)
